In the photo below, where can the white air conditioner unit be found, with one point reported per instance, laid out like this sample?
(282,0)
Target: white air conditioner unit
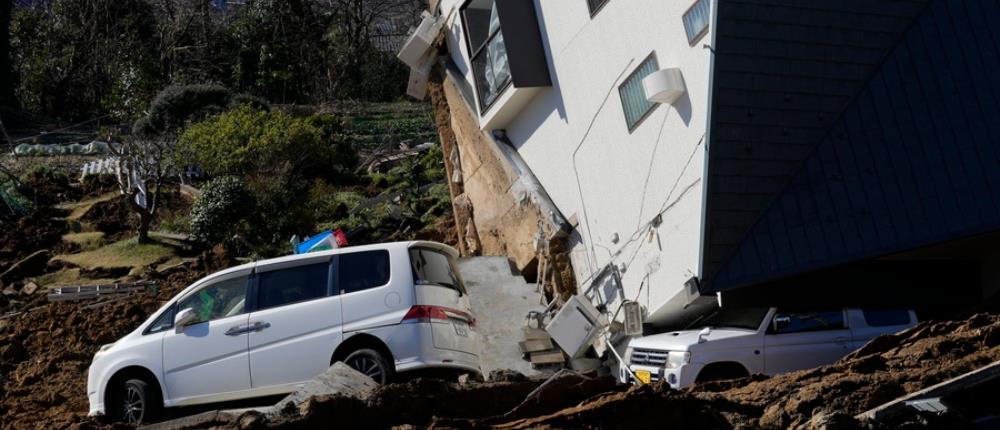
(573,328)
(419,44)
(664,86)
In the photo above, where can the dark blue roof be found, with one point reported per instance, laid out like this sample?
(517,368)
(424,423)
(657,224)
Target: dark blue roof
(913,159)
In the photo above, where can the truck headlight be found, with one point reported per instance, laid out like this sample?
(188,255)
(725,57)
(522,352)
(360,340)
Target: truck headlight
(677,359)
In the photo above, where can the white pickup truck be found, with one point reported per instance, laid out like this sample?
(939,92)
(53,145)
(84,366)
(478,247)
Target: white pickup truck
(736,342)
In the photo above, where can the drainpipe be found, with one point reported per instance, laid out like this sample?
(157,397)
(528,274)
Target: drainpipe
(529,182)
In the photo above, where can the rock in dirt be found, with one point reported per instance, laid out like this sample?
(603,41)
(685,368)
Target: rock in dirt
(32,265)
(338,380)
(29,288)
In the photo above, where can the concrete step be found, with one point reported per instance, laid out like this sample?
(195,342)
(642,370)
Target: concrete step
(500,300)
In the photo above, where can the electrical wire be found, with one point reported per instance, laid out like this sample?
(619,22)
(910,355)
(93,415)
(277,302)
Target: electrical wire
(592,258)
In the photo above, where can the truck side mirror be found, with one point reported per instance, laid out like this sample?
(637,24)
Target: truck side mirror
(183,319)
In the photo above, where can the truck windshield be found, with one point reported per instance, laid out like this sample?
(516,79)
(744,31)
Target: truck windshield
(434,267)
(736,317)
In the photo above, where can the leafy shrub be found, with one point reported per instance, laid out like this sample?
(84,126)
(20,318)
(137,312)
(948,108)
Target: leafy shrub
(219,215)
(177,224)
(262,146)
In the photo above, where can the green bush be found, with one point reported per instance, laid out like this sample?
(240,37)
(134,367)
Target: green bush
(262,146)
(220,214)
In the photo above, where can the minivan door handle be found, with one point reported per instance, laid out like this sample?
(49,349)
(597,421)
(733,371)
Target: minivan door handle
(258,326)
(237,330)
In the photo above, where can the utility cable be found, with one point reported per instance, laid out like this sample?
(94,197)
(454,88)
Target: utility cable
(583,203)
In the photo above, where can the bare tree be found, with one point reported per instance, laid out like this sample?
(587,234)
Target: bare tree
(354,25)
(144,163)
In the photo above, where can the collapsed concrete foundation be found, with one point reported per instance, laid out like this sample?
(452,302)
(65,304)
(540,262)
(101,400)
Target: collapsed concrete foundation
(499,208)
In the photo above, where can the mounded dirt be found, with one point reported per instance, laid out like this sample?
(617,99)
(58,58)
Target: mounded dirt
(45,352)
(825,397)
(886,368)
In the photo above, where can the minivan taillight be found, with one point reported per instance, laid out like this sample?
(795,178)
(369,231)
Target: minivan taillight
(426,313)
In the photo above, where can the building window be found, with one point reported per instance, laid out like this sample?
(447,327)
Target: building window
(634,101)
(596,5)
(488,53)
(696,20)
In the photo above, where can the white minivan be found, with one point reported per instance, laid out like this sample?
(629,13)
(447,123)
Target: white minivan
(737,342)
(267,327)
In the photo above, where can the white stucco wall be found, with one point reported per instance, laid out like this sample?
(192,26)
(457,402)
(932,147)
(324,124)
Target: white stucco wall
(617,182)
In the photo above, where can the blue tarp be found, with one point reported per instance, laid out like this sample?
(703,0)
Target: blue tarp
(320,241)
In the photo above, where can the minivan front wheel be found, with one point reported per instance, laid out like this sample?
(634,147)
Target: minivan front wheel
(371,363)
(137,403)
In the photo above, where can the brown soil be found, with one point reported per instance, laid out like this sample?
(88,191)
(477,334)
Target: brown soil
(113,217)
(39,230)
(885,369)
(117,220)
(45,352)
(443,230)
(97,185)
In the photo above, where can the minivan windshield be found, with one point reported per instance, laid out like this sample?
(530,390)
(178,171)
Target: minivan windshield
(735,317)
(434,267)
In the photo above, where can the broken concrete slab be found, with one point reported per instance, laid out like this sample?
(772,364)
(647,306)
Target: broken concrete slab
(544,358)
(198,421)
(535,345)
(340,379)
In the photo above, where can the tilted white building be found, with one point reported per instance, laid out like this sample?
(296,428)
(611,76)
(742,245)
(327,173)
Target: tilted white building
(753,147)
(567,93)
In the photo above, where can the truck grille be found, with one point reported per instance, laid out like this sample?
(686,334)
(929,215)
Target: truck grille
(649,357)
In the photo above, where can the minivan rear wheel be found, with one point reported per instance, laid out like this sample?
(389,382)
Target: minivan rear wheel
(371,363)
(137,402)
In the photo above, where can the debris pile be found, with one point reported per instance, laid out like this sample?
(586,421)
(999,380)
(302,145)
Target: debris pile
(45,352)
(888,367)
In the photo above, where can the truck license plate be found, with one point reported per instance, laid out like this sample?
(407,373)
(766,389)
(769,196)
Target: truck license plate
(461,328)
(643,376)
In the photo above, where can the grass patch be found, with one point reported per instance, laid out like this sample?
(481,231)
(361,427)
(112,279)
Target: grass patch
(126,253)
(80,208)
(173,261)
(67,278)
(87,240)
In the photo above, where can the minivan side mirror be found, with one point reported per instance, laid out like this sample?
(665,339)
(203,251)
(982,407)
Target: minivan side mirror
(183,319)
